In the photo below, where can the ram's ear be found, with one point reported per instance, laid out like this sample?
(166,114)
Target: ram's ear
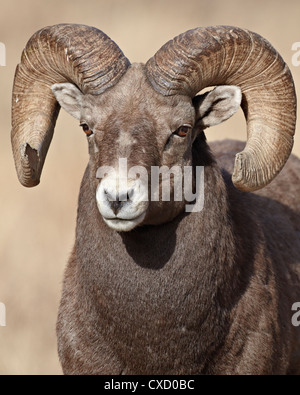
(217,105)
(69,97)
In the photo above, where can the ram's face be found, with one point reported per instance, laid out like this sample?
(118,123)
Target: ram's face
(134,133)
(140,145)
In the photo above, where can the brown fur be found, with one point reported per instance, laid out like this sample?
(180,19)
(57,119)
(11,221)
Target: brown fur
(207,293)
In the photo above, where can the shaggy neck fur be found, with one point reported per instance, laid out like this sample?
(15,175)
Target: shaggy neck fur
(145,291)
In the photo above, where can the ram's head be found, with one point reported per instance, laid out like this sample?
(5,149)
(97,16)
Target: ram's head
(143,117)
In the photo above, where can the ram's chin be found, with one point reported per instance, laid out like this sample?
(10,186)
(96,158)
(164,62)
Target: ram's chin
(124,225)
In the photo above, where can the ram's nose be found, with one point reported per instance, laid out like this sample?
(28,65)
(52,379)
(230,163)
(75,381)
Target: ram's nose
(122,203)
(117,201)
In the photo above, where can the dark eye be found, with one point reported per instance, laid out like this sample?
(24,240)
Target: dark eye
(86,129)
(183,130)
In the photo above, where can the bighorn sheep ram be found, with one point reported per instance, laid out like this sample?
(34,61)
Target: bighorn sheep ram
(149,287)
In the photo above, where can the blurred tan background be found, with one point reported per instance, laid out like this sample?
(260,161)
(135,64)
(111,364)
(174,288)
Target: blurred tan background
(37,225)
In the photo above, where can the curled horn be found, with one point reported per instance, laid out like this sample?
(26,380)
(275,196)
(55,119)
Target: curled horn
(224,55)
(79,54)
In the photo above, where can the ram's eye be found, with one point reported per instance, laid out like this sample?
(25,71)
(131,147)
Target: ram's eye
(183,130)
(86,129)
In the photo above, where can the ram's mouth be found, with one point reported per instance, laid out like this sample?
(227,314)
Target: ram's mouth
(124,225)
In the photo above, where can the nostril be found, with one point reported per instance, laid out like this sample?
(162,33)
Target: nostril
(130,194)
(110,196)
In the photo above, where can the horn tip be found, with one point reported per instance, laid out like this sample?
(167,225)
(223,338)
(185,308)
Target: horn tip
(244,177)
(28,166)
